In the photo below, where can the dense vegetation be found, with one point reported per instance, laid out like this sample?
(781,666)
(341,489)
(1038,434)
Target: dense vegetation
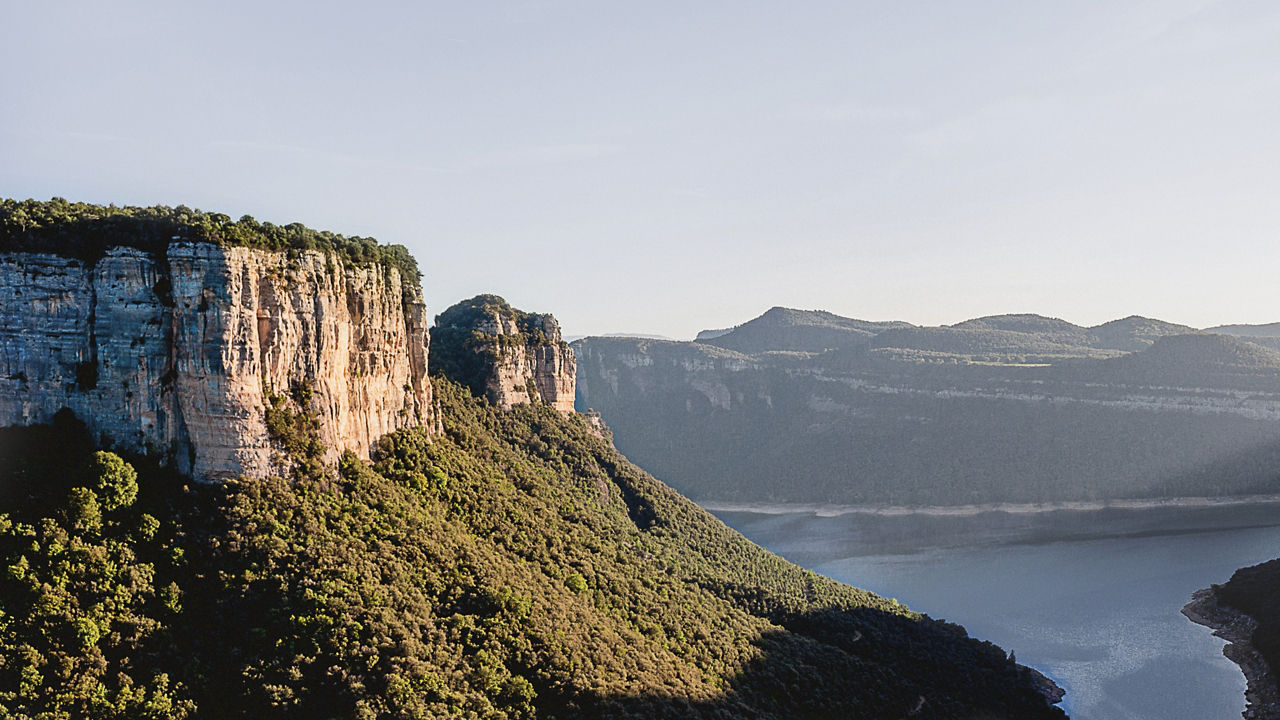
(84,614)
(464,346)
(86,231)
(515,567)
(1253,591)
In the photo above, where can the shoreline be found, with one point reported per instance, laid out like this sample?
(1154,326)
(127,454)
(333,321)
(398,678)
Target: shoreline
(831,510)
(1261,695)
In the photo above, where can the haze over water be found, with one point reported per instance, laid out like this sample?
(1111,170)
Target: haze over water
(1098,613)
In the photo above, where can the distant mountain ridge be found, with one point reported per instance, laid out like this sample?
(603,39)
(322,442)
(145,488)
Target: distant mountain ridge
(788,329)
(1021,322)
(808,406)
(1267,330)
(1135,332)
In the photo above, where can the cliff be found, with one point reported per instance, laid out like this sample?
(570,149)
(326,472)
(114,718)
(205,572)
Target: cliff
(175,349)
(510,356)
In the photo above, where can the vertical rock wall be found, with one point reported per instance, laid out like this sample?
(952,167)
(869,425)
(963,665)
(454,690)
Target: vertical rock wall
(511,356)
(522,369)
(178,353)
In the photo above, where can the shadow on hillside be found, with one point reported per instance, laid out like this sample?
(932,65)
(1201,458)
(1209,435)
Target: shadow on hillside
(855,664)
(39,462)
(1253,471)
(41,458)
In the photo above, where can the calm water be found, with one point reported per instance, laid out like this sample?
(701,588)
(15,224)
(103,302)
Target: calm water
(1098,612)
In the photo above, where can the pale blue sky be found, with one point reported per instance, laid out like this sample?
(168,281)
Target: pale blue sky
(666,167)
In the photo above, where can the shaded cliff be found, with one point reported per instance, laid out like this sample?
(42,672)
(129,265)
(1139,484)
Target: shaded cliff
(510,356)
(177,350)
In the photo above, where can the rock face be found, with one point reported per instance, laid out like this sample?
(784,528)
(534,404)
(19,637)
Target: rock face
(529,372)
(177,353)
(511,356)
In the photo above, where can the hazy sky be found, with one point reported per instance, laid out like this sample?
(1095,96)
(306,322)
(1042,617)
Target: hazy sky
(665,167)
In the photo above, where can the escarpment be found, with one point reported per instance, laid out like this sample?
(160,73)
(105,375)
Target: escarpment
(511,356)
(177,349)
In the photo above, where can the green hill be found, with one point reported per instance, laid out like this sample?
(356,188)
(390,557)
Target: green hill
(1023,323)
(1265,330)
(1200,359)
(978,343)
(514,566)
(1135,333)
(786,329)
(1253,591)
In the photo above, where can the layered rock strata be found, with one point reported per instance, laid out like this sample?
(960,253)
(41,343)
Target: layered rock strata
(526,371)
(177,353)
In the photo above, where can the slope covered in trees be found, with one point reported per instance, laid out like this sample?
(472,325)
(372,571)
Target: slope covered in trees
(515,566)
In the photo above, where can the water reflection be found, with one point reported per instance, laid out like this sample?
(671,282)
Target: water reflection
(1098,612)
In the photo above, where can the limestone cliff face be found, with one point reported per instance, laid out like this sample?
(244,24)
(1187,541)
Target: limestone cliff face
(511,356)
(527,372)
(177,352)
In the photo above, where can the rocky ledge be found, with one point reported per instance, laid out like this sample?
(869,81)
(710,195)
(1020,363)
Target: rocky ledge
(1261,696)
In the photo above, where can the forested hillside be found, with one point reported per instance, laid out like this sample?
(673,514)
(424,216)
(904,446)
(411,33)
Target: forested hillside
(515,566)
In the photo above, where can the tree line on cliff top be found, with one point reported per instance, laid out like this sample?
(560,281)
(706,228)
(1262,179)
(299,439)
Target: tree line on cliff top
(86,231)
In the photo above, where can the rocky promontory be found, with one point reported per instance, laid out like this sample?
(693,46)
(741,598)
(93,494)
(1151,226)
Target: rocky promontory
(510,356)
(1237,629)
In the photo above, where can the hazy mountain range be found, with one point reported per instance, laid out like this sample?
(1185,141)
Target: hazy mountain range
(807,406)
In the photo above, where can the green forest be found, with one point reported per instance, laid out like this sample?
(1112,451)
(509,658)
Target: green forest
(515,566)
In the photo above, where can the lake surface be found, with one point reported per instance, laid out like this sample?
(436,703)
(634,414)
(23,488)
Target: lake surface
(1092,598)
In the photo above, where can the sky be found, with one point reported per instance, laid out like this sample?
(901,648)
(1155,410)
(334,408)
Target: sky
(665,167)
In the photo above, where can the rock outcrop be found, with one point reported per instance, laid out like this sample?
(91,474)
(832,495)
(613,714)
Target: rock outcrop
(177,351)
(1237,628)
(513,357)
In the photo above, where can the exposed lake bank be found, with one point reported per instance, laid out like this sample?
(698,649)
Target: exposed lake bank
(1237,629)
(827,510)
(834,531)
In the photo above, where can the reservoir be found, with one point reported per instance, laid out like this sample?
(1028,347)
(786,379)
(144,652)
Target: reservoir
(1090,598)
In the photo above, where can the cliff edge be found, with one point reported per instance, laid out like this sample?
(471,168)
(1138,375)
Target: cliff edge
(175,347)
(510,356)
